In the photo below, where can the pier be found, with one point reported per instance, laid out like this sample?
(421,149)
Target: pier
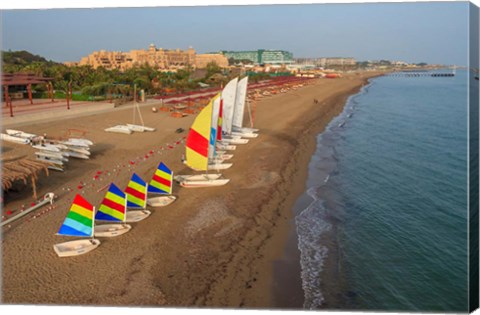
(421,74)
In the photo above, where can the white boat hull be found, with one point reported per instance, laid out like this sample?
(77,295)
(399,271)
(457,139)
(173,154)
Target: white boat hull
(136,128)
(227,147)
(250,135)
(218,166)
(111,230)
(50,160)
(79,150)
(203,183)
(224,157)
(231,136)
(245,129)
(234,141)
(181,178)
(21,134)
(47,147)
(137,215)
(56,168)
(161,201)
(51,156)
(78,155)
(75,144)
(119,129)
(75,248)
(80,141)
(140,128)
(14,139)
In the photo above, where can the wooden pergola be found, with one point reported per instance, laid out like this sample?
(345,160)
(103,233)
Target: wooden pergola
(23,79)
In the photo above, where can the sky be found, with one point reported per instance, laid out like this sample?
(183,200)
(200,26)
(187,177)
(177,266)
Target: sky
(432,32)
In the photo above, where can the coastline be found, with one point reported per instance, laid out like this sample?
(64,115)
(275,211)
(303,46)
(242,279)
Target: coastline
(213,247)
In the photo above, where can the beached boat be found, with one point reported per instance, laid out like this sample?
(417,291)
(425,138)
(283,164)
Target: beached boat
(228,147)
(14,139)
(120,129)
(244,134)
(219,165)
(135,128)
(48,147)
(200,142)
(50,160)
(228,99)
(21,134)
(78,223)
(239,111)
(52,156)
(56,168)
(140,128)
(78,155)
(75,144)
(204,183)
(80,141)
(161,184)
(228,140)
(81,150)
(197,177)
(113,209)
(136,193)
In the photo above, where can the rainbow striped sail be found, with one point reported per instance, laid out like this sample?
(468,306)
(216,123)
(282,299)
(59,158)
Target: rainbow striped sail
(113,207)
(136,192)
(79,220)
(161,182)
(198,139)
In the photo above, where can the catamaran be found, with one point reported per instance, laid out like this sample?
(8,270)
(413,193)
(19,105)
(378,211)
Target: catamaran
(78,223)
(113,209)
(136,192)
(228,103)
(161,184)
(199,147)
(239,110)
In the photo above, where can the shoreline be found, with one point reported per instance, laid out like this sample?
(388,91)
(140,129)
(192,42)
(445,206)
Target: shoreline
(213,247)
(291,253)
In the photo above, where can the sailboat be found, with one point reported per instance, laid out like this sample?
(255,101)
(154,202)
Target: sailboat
(239,110)
(198,145)
(114,209)
(216,157)
(162,184)
(228,98)
(136,193)
(130,128)
(78,223)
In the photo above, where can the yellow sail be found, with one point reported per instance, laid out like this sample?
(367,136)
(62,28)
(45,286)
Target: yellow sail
(199,138)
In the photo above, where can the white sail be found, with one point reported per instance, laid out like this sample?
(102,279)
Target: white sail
(228,96)
(239,107)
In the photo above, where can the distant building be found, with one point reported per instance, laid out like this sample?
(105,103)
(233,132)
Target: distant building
(326,62)
(261,56)
(155,57)
(202,60)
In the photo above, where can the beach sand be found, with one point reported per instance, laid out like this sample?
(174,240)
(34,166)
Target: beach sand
(213,247)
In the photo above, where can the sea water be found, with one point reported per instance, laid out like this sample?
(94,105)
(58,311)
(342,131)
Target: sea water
(388,192)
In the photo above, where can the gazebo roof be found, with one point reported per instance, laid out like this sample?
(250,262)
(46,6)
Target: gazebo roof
(9,79)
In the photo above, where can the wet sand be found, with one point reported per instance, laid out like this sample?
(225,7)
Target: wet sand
(213,247)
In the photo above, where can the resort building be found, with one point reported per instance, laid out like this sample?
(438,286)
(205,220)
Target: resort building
(155,57)
(202,60)
(336,61)
(261,56)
